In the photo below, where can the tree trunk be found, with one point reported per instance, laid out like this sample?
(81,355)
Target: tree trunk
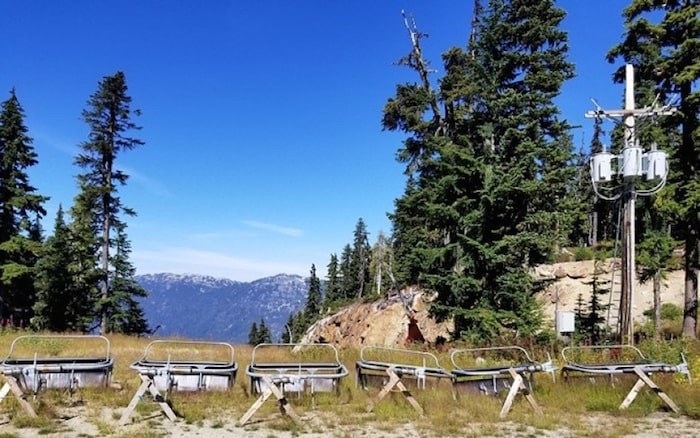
(657,305)
(690,160)
(593,228)
(690,309)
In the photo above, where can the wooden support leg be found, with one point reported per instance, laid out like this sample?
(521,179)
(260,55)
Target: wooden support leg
(517,386)
(645,380)
(632,394)
(395,380)
(270,389)
(4,391)
(11,385)
(409,397)
(147,384)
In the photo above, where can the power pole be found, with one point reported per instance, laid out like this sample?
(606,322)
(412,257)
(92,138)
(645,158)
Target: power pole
(632,164)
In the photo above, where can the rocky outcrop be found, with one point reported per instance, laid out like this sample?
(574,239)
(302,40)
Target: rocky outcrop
(385,322)
(576,278)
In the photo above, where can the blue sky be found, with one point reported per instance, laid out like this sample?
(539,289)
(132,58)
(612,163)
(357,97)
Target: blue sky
(261,119)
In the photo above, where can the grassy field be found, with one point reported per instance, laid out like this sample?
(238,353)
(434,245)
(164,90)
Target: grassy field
(577,407)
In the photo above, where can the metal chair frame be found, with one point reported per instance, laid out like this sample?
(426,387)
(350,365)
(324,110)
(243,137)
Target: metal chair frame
(166,374)
(277,378)
(33,374)
(642,367)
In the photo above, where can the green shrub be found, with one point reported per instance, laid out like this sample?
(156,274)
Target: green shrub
(583,253)
(669,312)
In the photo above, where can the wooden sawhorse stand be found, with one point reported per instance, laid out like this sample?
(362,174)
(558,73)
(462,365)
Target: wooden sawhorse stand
(147,384)
(11,385)
(270,389)
(518,386)
(395,380)
(645,380)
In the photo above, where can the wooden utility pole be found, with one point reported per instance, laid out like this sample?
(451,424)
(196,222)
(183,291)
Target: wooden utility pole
(629,276)
(630,167)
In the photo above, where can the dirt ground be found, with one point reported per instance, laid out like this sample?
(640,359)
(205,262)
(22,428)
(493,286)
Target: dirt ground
(75,424)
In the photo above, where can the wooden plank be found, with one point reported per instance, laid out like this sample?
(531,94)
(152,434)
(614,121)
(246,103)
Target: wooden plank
(147,384)
(13,386)
(4,391)
(632,394)
(528,395)
(393,380)
(270,389)
(254,408)
(285,407)
(654,387)
(134,401)
(514,388)
(409,397)
(164,406)
(518,385)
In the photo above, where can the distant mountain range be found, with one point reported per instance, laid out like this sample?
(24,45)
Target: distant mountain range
(208,308)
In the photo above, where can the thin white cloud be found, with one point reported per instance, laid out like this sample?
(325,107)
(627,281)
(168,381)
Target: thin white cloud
(217,236)
(179,260)
(66,147)
(151,185)
(286,231)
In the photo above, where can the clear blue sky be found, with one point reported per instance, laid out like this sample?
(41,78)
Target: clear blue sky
(261,118)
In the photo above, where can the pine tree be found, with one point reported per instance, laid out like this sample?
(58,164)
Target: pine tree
(594,317)
(300,326)
(84,246)
(333,292)
(125,312)
(359,260)
(411,235)
(666,52)
(581,315)
(287,335)
(264,334)
(21,208)
(60,306)
(312,311)
(253,335)
(98,205)
(347,278)
(489,164)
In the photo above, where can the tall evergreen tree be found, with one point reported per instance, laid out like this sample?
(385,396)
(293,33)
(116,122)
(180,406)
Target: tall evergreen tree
(125,312)
(347,279)
(287,335)
(489,172)
(253,334)
(60,304)
(666,52)
(109,116)
(360,259)
(20,210)
(295,327)
(312,311)
(84,248)
(592,320)
(264,334)
(333,292)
